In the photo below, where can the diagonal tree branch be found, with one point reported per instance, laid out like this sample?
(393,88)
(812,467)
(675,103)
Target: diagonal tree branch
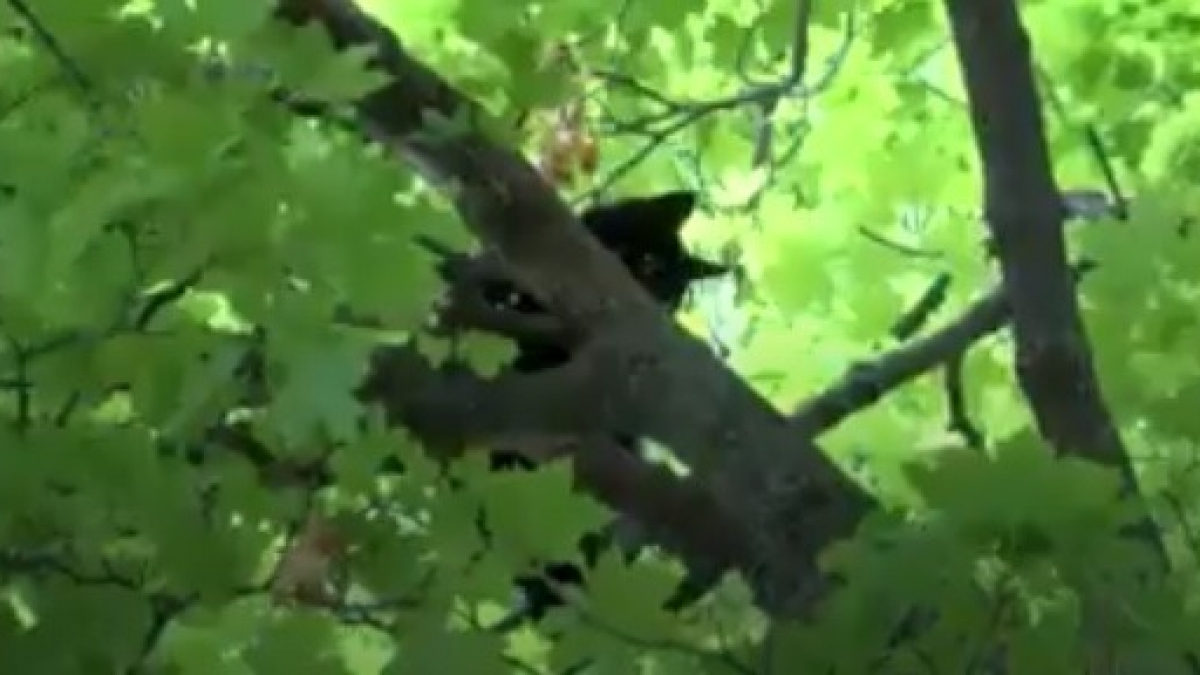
(787,496)
(451,406)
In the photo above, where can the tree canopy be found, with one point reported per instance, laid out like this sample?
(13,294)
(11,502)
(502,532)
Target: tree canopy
(941,418)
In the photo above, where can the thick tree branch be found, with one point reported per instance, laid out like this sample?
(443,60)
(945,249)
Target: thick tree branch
(1026,214)
(452,406)
(787,496)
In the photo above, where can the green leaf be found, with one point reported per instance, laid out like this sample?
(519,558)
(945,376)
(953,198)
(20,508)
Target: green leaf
(301,642)
(315,393)
(632,596)
(105,625)
(433,648)
(343,78)
(1061,498)
(538,514)
(900,26)
(227,19)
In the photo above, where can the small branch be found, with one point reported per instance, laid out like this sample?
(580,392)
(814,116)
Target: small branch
(912,321)
(865,383)
(42,33)
(956,404)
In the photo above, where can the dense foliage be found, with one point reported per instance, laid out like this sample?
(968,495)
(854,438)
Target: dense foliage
(203,254)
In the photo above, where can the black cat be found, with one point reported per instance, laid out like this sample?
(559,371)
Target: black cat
(646,234)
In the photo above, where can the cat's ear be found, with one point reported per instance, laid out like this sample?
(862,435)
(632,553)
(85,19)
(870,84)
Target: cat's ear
(672,207)
(664,213)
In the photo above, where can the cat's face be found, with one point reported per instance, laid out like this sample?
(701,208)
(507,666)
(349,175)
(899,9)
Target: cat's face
(646,233)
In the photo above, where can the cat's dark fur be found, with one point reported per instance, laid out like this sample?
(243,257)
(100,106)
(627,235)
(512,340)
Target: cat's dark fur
(646,234)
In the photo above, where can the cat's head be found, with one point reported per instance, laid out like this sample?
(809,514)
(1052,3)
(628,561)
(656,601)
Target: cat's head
(660,216)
